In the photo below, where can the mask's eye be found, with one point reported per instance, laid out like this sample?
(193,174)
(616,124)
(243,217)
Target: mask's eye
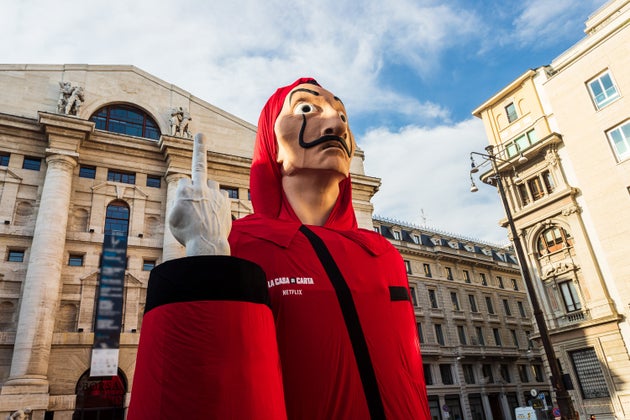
(343,117)
(303,108)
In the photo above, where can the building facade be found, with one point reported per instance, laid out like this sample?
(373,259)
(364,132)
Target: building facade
(474,323)
(570,199)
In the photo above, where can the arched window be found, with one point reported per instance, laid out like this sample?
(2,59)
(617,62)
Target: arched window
(126,119)
(101,397)
(553,239)
(117,218)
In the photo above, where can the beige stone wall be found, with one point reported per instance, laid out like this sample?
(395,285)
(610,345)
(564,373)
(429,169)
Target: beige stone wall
(602,179)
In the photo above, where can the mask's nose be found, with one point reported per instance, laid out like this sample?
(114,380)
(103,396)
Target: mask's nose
(334,124)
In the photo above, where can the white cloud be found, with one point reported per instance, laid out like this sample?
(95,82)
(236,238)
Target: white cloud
(426,170)
(234,54)
(547,22)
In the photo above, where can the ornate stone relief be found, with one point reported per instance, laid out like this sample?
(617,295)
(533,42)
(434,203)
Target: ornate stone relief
(179,122)
(571,209)
(556,269)
(70,98)
(551,157)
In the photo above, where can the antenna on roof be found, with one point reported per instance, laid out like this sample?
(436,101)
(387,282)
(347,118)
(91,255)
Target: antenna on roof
(423,217)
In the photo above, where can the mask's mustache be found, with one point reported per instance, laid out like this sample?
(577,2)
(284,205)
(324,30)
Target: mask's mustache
(323,139)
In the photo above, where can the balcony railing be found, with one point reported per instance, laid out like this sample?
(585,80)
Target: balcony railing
(574,318)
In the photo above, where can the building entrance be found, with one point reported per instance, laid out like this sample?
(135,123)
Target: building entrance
(100,398)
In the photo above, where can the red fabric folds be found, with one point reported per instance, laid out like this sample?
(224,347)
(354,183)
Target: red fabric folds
(207,359)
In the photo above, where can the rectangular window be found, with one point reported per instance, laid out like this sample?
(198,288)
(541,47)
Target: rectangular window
(510,110)
(480,339)
(522,373)
(428,377)
(511,149)
(439,334)
(119,176)
(484,281)
(433,298)
(75,260)
(34,164)
(514,284)
(461,333)
(87,172)
(396,235)
(521,309)
(536,188)
(514,337)
(489,305)
(4,159)
(505,373)
(231,191)
(148,265)
(620,140)
(15,255)
(416,239)
(449,273)
(408,266)
(589,373)
(487,373)
(602,90)
(414,298)
(521,143)
(538,373)
(455,301)
(420,332)
(469,373)
(447,374)
(500,282)
(473,303)
(427,269)
(506,307)
(466,276)
(497,337)
(570,297)
(154,181)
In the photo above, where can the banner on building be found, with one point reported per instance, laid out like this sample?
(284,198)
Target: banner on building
(109,307)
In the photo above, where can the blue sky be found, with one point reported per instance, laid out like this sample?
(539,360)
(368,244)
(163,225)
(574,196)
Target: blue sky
(410,72)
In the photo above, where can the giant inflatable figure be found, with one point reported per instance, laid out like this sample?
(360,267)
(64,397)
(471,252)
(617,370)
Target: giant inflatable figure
(309,318)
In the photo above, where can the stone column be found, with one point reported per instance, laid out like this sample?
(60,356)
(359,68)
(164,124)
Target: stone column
(41,289)
(171,249)
(485,401)
(505,406)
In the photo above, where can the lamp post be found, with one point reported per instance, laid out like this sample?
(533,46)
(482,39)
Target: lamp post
(564,399)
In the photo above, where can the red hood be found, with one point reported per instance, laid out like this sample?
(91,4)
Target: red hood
(266,180)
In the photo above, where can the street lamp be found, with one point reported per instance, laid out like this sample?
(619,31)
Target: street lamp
(562,396)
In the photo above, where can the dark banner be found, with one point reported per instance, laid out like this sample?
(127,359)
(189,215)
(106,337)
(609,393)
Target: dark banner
(109,307)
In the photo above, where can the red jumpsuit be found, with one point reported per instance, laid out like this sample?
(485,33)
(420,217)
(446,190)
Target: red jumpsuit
(344,322)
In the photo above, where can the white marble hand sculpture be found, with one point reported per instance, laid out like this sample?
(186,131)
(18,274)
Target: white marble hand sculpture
(201,219)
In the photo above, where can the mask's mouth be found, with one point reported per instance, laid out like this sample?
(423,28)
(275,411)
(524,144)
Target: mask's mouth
(323,139)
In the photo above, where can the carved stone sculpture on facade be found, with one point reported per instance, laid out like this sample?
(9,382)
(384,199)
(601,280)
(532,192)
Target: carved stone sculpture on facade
(24,414)
(179,122)
(70,98)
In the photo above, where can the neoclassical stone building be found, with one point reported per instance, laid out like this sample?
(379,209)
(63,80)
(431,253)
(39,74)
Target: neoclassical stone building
(570,201)
(474,323)
(86,150)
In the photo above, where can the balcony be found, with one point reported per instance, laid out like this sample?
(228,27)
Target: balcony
(573,318)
